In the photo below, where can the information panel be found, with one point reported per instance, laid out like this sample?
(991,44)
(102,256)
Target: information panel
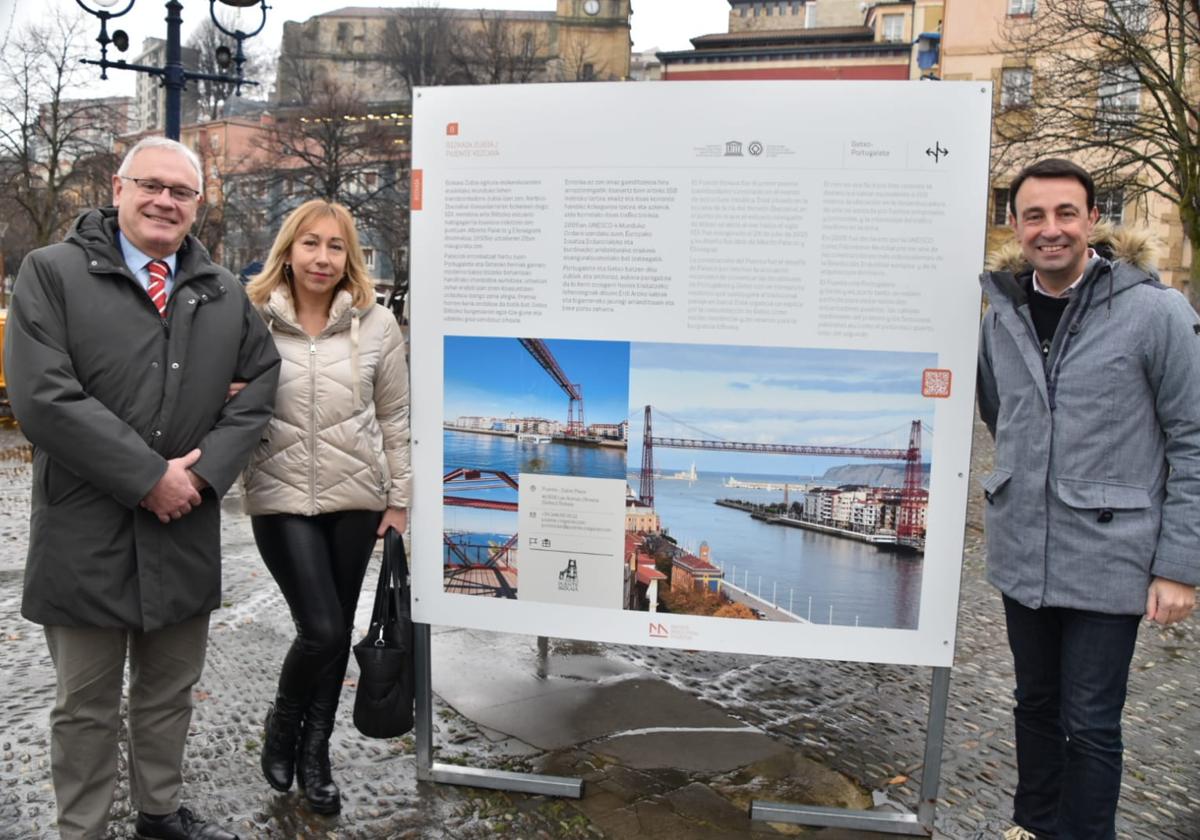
(693,364)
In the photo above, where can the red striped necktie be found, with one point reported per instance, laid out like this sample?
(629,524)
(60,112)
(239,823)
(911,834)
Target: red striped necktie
(157,288)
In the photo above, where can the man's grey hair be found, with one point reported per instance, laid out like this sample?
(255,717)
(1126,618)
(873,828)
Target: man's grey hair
(157,142)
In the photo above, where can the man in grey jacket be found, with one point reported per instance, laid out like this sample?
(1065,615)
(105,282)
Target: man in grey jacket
(1089,380)
(121,347)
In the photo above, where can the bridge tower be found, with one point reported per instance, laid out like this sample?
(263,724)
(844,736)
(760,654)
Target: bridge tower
(577,428)
(646,491)
(910,502)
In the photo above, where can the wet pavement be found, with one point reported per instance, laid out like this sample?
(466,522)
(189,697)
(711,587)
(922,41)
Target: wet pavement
(671,744)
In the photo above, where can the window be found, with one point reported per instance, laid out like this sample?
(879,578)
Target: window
(1119,95)
(1021,7)
(1000,206)
(1016,88)
(893,28)
(343,32)
(369,257)
(1111,204)
(1132,14)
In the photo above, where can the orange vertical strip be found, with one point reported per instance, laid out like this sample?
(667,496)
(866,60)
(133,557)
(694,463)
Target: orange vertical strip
(418,188)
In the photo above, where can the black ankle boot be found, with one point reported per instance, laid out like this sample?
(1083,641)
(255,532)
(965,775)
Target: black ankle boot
(281,735)
(312,765)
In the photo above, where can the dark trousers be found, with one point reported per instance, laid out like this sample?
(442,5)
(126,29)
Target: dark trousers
(1072,669)
(319,563)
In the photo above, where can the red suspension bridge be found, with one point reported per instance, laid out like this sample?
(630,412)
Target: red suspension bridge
(908,527)
(574,391)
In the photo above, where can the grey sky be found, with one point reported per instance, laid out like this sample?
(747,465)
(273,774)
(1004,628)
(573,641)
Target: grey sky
(667,24)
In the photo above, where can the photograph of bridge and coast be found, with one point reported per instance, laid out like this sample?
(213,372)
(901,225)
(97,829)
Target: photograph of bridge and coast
(513,406)
(778,484)
(769,484)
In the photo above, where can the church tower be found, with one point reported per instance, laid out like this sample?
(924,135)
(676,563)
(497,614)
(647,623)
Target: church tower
(606,11)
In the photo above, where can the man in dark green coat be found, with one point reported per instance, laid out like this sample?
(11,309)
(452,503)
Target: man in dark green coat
(123,345)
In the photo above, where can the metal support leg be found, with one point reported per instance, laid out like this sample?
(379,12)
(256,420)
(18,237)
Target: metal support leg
(935,736)
(423,721)
(429,770)
(887,822)
(543,657)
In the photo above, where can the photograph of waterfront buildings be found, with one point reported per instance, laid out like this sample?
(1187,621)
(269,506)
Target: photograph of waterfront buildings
(513,406)
(778,484)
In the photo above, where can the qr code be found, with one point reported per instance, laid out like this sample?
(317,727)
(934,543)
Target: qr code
(935,382)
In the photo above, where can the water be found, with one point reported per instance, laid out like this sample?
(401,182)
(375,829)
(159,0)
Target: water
(507,454)
(478,548)
(863,584)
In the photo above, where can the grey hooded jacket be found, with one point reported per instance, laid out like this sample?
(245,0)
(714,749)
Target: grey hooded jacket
(107,391)
(1096,485)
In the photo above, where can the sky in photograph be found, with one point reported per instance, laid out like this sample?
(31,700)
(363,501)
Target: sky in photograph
(774,395)
(496,377)
(665,24)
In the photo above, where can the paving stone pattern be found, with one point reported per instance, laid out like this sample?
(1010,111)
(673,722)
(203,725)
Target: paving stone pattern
(866,722)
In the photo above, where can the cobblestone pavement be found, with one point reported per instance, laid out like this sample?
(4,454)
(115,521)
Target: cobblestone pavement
(864,721)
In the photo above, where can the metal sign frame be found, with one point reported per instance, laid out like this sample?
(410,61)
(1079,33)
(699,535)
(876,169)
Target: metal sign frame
(919,824)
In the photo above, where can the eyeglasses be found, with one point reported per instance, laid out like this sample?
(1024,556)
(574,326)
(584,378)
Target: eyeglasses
(150,187)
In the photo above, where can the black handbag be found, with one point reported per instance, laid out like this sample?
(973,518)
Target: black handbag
(383,704)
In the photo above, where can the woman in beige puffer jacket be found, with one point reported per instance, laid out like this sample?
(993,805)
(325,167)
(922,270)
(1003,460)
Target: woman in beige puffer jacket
(331,474)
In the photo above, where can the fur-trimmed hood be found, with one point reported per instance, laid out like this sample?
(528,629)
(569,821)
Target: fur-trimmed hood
(1133,245)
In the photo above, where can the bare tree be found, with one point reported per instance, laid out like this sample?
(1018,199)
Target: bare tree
(498,48)
(298,79)
(334,149)
(1116,85)
(214,96)
(56,150)
(417,46)
(580,63)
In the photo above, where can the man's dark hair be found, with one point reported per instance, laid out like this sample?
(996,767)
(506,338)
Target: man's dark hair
(1053,168)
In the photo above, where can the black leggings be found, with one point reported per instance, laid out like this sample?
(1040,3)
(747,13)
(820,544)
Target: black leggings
(319,563)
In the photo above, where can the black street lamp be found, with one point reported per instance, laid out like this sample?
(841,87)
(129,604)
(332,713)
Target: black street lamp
(174,76)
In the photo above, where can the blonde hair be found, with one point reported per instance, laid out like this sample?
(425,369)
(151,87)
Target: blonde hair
(356,280)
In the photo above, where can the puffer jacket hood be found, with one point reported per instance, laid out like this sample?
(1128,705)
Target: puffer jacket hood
(1125,258)
(1133,245)
(339,439)
(280,310)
